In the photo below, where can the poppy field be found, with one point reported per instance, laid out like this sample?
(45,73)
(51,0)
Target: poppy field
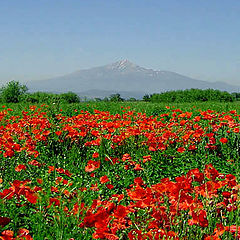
(86,172)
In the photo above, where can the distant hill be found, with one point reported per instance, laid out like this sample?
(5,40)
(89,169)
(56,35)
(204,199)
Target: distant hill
(123,77)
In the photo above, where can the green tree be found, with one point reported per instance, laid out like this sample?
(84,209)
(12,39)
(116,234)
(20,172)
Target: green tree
(116,98)
(70,97)
(146,98)
(132,99)
(106,99)
(12,92)
(236,95)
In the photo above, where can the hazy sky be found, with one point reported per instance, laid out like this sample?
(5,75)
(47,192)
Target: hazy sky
(46,38)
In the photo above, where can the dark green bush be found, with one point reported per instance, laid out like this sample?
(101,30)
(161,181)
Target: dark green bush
(116,98)
(236,95)
(43,97)
(69,97)
(12,92)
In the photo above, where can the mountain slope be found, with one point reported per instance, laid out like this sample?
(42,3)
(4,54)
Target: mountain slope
(124,76)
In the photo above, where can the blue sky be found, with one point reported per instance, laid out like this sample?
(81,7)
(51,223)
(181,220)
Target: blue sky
(46,38)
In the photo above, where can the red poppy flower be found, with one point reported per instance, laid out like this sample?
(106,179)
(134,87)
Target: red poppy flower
(35,163)
(92,165)
(121,212)
(104,179)
(109,186)
(20,167)
(223,140)
(54,201)
(181,149)
(39,180)
(95,155)
(31,197)
(7,234)
(138,167)
(58,133)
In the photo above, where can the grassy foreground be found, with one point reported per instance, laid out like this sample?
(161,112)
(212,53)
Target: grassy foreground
(120,171)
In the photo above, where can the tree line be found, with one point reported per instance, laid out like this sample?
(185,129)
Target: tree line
(14,92)
(192,95)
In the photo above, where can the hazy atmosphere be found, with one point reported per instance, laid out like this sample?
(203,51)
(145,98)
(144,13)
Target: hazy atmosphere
(45,39)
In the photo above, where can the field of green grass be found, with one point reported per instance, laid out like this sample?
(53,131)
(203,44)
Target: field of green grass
(146,107)
(127,170)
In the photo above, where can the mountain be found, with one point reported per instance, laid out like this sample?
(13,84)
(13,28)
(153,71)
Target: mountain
(123,76)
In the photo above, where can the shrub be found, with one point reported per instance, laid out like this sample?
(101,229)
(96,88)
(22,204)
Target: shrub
(12,92)
(70,97)
(116,98)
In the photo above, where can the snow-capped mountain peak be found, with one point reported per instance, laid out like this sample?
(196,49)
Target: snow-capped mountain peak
(123,65)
